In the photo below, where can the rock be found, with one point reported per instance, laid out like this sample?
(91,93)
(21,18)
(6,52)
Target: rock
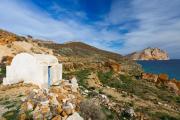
(93,81)
(22,116)
(74,84)
(163,78)
(58,117)
(23,99)
(75,116)
(61,98)
(172,86)
(149,54)
(114,66)
(45,109)
(86,91)
(59,109)
(128,113)
(37,114)
(29,106)
(53,99)
(159,103)
(6,60)
(150,77)
(68,108)
(63,114)
(104,98)
(57,103)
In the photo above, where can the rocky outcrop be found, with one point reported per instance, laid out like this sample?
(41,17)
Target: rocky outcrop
(162,79)
(58,103)
(149,54)
(7,37)
(114,66)
(150,77)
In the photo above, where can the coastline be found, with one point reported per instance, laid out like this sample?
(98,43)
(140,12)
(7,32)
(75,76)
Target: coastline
(169,67)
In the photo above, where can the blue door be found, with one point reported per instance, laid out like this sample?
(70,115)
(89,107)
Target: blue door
(49,76)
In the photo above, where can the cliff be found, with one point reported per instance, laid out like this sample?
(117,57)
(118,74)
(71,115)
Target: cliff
(149,54)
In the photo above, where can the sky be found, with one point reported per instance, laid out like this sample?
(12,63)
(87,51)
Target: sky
(121,26)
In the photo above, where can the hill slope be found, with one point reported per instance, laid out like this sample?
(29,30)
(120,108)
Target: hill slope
(80,49)
(107,79)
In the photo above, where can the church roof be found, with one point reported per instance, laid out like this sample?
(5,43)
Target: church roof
(42,59)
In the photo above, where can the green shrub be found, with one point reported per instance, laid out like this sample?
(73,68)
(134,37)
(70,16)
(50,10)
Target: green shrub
(105,77)
(164,116)
(3,71)
(82,76)
(110,115)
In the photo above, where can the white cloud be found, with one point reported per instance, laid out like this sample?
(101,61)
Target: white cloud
(27,19)
(158,26)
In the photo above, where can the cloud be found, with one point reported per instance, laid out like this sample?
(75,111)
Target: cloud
(158,25)
(130,25)
(25,19)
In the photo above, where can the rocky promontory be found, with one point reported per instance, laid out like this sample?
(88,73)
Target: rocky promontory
(149,54)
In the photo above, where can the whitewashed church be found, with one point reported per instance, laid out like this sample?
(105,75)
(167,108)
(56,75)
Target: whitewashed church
(42,70)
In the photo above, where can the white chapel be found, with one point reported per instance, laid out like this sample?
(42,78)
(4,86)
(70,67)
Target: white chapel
(40,69)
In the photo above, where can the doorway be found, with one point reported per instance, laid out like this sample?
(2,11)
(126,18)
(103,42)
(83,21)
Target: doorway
(49,76)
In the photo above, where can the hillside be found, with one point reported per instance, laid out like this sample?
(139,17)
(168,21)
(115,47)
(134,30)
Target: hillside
(149,54)
(79,49)
(110,86)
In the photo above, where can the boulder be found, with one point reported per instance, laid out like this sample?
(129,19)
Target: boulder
(150,77)
(114,66)
(128,113)
(172,86)
(163,78)
(74,83)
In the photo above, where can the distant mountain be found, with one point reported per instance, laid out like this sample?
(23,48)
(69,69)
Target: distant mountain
(149,54)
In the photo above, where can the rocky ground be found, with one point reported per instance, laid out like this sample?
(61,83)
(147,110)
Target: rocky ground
(26,101)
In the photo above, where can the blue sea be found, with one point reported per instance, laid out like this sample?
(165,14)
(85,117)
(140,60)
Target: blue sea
(170,67)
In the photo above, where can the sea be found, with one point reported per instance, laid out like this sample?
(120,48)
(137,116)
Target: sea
(170,67)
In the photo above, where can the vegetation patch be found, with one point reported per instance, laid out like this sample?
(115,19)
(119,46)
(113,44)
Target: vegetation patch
(82,77)
(164,116)
(11,114)
(110,115)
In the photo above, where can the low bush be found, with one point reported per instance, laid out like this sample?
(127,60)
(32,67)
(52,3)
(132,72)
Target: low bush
(89,110)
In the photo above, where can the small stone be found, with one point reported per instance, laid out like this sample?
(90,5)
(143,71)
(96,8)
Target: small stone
(35,91)
(68,108)
(23,99)
(61,97)
(45,109)
(86,91)
(37,116)
(58,117)
(63,114)
(128,112)
(159,103)
(59,109)
(22,116)
(74,84)
(29,106)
